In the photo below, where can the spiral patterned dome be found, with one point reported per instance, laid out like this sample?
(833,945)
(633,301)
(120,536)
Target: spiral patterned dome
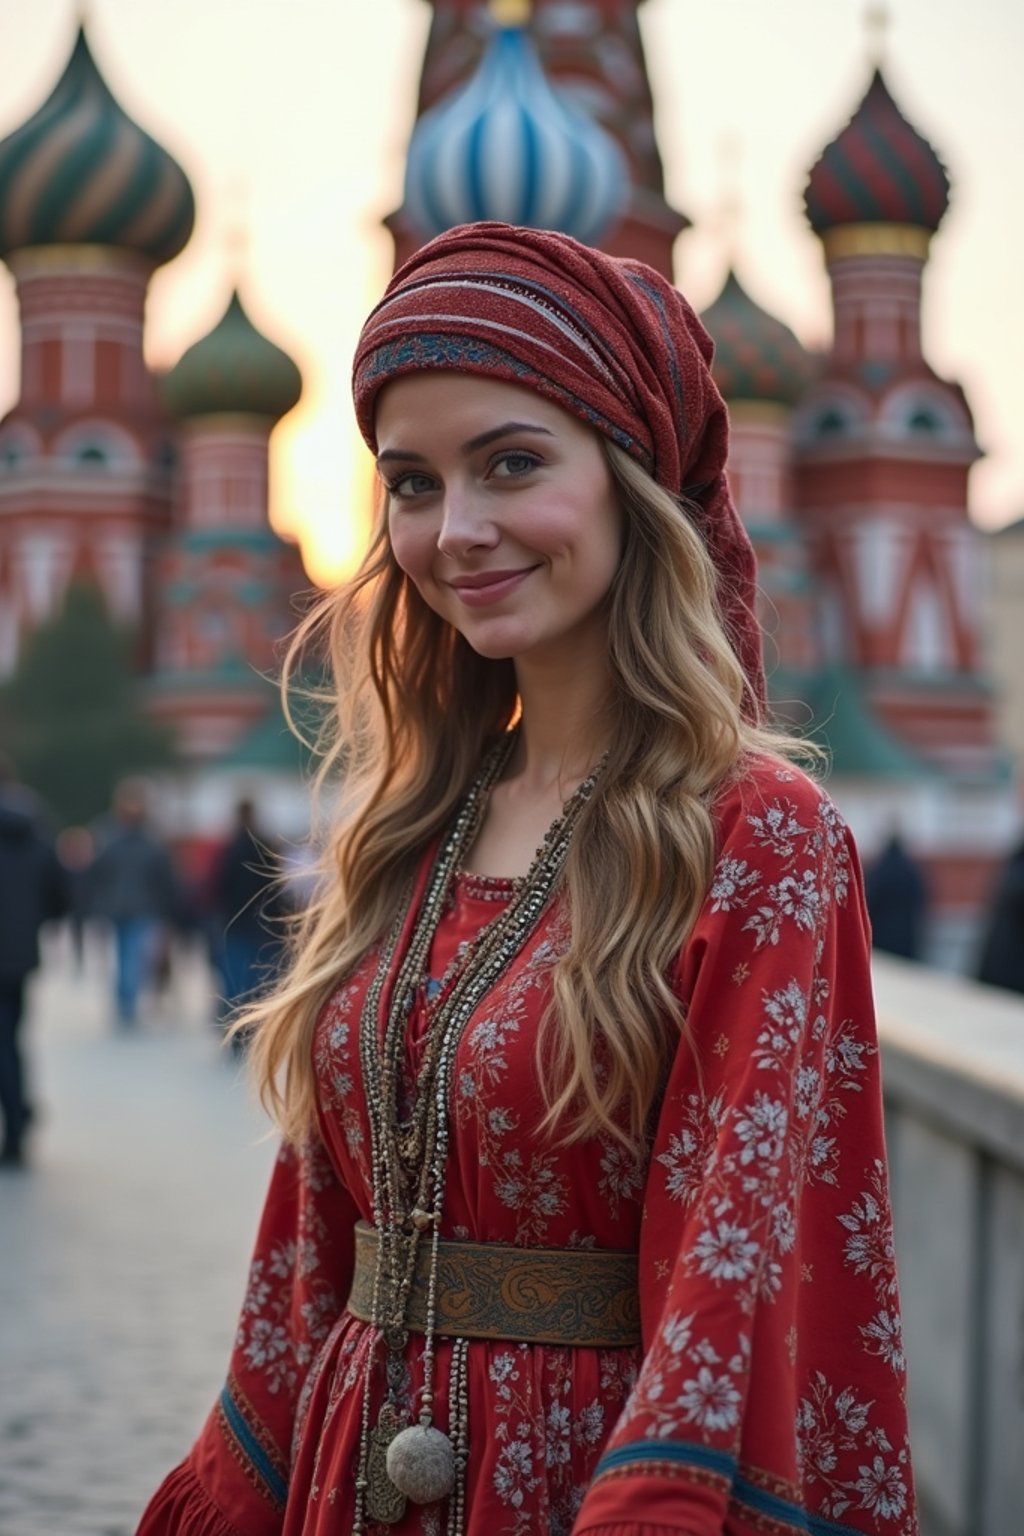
(81,172)
(507,146)
(756,356)
(232,369)
(879,170)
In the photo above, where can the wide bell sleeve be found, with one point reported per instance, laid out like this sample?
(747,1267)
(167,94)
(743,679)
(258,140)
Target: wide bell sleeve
(234,1482)
(771,1396)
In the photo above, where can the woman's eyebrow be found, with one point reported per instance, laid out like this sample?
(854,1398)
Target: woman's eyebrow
(389,455)
(503,431)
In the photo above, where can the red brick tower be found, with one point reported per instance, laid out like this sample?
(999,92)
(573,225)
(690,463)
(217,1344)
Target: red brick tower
(90,205)
(227,582)
(883,450)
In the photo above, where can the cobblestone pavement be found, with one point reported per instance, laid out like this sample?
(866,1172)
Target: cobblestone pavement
(123,1249)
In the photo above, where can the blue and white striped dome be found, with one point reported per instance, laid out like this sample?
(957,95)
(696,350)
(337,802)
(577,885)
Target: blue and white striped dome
(507,146)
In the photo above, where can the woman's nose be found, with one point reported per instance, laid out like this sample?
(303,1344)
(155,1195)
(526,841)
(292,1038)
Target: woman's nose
(464,523)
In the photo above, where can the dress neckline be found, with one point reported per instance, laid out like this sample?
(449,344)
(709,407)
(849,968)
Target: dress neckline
(470,882)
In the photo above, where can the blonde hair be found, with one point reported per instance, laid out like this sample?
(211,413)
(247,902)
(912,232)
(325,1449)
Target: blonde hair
(413,710)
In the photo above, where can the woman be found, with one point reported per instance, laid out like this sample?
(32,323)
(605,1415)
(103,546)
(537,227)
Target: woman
(576,1059)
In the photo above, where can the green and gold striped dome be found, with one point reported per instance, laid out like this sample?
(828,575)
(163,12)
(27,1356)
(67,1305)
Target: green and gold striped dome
(756,356)
(80,172)
(233,369)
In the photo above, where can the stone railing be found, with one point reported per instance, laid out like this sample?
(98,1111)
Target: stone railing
(953,1069)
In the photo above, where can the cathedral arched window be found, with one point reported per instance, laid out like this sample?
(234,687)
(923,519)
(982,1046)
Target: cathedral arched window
(831,423)
(839,415)
(92,445)
(18,444)
(919,411)
(925,420)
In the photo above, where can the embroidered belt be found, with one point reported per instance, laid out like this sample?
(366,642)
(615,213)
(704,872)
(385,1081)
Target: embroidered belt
(568,1296)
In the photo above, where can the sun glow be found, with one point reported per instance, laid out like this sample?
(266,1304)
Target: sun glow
(322,490)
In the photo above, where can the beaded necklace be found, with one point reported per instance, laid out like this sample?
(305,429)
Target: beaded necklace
(399,1460)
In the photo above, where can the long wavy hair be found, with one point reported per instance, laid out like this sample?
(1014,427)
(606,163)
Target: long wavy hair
(412,711)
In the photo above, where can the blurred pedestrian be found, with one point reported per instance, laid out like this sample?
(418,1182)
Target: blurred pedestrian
(75,849)
(897,898)
(132,883)
(1001,962)
(247,894)
(33,891)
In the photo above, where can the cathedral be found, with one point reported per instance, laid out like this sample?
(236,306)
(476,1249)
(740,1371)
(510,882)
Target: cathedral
(849,467)
(153,488)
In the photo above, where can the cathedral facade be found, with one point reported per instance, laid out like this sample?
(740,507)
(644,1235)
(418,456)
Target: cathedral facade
(849,467)
(154,488)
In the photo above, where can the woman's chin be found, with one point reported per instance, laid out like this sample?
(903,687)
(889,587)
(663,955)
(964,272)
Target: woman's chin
(495,644)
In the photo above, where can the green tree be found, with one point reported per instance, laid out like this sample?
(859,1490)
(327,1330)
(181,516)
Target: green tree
(71,714)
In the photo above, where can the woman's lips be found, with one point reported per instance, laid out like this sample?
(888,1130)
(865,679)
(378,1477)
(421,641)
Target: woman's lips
(489,586)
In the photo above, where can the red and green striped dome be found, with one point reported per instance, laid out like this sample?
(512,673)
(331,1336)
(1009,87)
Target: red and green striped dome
(233,369)
(756,356)
(81,172)
(879,170)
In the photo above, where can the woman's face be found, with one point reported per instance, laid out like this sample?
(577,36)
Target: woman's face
(502,512)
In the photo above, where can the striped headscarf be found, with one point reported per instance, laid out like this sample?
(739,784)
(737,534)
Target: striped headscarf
(607,339)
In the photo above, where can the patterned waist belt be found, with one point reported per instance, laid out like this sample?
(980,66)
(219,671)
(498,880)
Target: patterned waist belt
(568,1296)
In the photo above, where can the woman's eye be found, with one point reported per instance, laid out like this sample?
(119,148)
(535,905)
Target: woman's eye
(413,484)
(508,465)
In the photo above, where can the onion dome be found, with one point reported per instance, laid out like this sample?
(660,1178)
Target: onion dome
(879,170)
(756,356)
(81,172)
(233,369)
(507,146)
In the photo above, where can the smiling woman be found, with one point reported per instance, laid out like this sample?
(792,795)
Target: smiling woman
(575,1059)
(509,526)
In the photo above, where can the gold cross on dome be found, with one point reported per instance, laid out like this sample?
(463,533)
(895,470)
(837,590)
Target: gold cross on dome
(876,20)
(236,227)
(730,207)
(510,13)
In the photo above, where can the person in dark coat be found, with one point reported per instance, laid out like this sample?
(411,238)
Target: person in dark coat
(132,883)
(248,903)
(33,891)
(1002,948)
(897,897)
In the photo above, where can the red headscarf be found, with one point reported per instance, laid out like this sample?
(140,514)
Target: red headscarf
(607,339)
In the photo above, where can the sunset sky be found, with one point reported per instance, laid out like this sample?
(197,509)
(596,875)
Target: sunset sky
(291,118)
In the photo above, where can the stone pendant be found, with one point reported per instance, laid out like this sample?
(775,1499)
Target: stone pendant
(421,1463)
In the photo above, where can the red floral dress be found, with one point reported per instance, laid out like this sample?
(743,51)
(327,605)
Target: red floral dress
(768,1395)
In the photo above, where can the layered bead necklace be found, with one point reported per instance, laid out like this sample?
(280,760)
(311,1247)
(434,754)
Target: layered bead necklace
(398,1459)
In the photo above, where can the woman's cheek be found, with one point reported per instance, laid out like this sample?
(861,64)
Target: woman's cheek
(404,547)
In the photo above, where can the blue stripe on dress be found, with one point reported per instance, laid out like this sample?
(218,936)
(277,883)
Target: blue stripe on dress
(688,1453)
(668,1450)
(770,1504)
(251,1448)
